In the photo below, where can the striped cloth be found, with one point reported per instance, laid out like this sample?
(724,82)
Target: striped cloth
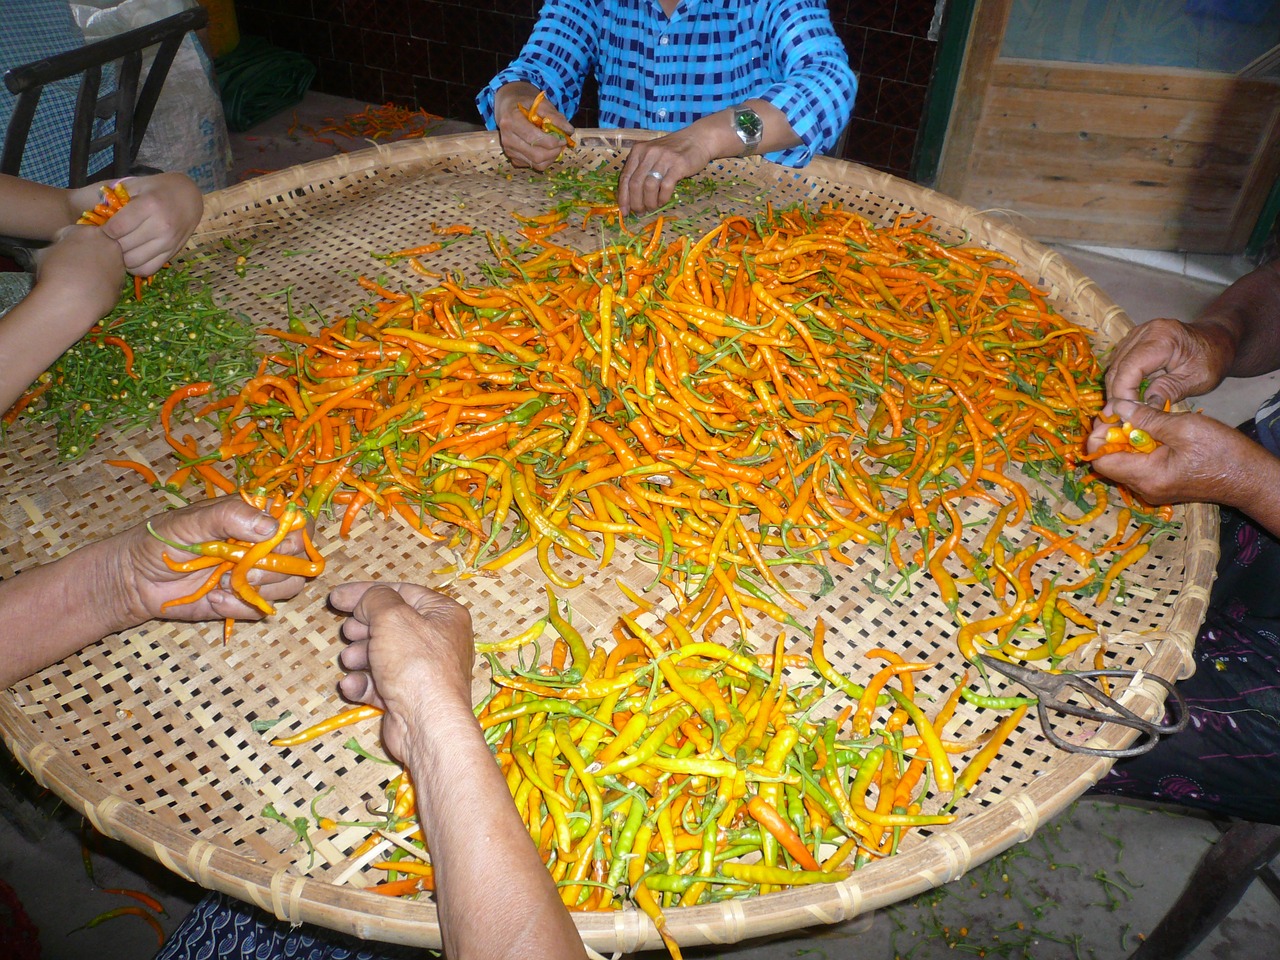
(33,30)
(661,73)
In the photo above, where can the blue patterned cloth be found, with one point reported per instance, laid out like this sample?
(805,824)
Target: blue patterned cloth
(221,928)
(661,73)
(33,30)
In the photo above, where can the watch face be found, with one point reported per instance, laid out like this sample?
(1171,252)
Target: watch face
(750,126)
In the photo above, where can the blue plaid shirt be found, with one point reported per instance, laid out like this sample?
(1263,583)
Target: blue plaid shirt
(661,73)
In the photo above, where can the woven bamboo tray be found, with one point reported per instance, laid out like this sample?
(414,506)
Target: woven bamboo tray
(150,734)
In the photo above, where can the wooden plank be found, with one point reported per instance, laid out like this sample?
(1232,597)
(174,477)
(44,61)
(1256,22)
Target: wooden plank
(1166,83)
(1116,156)
(1060,172)
(1234,121)
(1257,186)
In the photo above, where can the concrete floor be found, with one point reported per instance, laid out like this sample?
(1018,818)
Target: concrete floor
(1088,885)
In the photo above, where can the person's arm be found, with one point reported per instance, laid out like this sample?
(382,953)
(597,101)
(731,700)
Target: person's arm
(34,211)
(54,609)
(653,168)
(802,113)
(77,282)
(410,653)
(560,52)
(1238,335)
(1199,460)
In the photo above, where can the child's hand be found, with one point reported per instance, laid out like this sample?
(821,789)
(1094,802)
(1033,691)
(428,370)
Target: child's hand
(154,225)
(84,268)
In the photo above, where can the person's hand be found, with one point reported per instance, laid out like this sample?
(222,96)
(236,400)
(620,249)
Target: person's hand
(1199,459)
(161,214)
(525,143)
(143,582)
(654,167)
(1176,359)
(410,653)
(84,269)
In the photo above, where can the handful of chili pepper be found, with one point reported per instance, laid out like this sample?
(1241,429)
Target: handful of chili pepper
(1125,438)
(113,200)
(238,557)
(544,123)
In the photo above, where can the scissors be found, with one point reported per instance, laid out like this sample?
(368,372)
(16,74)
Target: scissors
(1053,695)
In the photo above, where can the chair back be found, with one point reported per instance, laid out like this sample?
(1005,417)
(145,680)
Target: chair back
(128,105)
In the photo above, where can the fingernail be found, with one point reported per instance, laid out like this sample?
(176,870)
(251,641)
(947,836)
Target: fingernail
(264,524)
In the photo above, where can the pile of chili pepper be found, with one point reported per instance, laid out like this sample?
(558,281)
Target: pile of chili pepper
(766,400)
(150,344)
(388,121)
(670,771)
(768,396)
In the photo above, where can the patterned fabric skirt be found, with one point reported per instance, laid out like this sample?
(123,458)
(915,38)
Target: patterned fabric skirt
(222,928)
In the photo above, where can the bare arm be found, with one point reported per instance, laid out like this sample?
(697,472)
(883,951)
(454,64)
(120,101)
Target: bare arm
(77,282)
(687,152)
(411,653)
(119,582)
(34,211)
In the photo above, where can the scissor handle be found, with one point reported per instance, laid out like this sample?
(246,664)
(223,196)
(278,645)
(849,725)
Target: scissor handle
(1164,728)
(1119,714)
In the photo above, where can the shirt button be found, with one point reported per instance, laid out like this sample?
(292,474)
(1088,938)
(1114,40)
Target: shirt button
(662,113)
(662,41)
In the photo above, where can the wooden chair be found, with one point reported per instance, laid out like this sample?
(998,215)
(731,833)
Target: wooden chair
(1242,854)
(128,105)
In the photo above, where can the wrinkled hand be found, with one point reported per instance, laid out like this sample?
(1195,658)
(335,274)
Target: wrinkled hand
(1199,459)
(410,653)
(525,143)
(161,214)
(1177,359)
(675,156)
(148,583)
(85,268)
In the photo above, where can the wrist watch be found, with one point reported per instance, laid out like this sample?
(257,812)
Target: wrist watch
(749,128)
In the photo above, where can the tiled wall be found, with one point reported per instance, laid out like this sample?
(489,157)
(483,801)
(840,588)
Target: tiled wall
(437,54)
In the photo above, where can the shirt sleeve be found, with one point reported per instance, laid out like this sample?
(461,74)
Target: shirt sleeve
(818,86)
(556,59)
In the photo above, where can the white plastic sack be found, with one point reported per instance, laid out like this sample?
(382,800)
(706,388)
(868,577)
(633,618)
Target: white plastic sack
(188,131)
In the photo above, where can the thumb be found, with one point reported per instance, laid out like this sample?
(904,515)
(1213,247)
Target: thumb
(1141,415)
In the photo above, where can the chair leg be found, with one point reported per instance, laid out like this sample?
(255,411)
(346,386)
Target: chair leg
(1213,890)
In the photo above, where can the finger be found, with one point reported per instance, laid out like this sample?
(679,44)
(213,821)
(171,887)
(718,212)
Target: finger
(376,599)
(345,597)
(354,656)
(225,603)
(220,519)
(358,687)
(1142,415)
